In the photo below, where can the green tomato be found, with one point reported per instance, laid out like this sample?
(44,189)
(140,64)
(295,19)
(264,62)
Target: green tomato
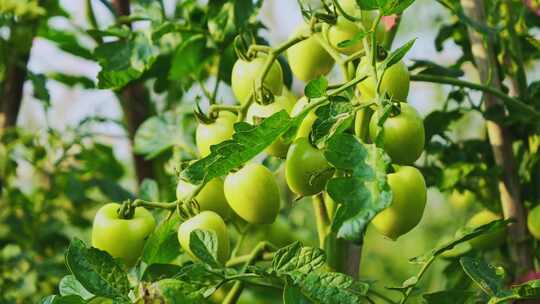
(461,200)
(212,134)
(306,168)
(256,112)
(210,221)
(403,134)
(308,59)
(211,197)
(305,127)
(486,241)
(252,192)
(533,222)
(245,74)
(341,31)
(121,238)
(395,81)
(409,195)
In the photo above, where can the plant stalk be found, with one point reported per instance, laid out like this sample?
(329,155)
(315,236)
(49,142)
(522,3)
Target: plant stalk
(500,139)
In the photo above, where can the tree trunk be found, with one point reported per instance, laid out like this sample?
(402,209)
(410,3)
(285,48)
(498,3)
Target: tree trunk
(500,140)
(136,105)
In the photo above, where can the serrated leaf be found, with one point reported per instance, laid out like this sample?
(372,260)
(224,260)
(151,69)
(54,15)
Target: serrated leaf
(70,286)
(297,258)
(332,118)
(162,245)
(432,68)
(391,7)
(354,40)
(365,192)
(489,278)
(158,134)
(72,80)
(316,88)
(176,291)
(528,290)
(247,142)
(204,245)
(156,272)
(293,295)
(39,84)
(328,287)
(97,271)
(398,54)
(189,59)
(438,122)
(123,61)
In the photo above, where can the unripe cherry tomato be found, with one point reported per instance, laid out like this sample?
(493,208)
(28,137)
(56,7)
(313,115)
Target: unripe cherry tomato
(210,221)
(533,222)
(341,31)
(409,196)
(403,134)
(461,200)
(487,241)
(306,168)
(256,112)
(308,59)
(395,81)
(245,75)
(212,134)
(305,126)
(211,197)
(122,238)
(253,194)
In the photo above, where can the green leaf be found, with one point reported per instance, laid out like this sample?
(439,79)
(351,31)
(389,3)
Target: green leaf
(123,61)
(490,279)
(293,295)
(365,192)
(368,4)
(162,245)
(438,122)
(97,271)
(175,291)
(204,245)
(463,236)
(397,55)
(328,287)
(39,82)
(432,68)
(297,258)
(332,118)
(72,80)
(316,88)
(149,190)
(156,272)
(354,40)
(190,58)
(391,7)
(247,142)
(71,299)
(158,134)
(70,286)
(65,41)
(528,290)
(449,297)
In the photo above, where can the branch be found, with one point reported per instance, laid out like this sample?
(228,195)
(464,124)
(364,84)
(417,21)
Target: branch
(500,138)
(510,101)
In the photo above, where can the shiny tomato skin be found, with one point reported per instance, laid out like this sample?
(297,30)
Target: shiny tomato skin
(122,238)
(206,220)
(208,135)
(245,74)
(253,194)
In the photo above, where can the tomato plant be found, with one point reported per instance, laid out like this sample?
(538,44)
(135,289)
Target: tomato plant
(215,152)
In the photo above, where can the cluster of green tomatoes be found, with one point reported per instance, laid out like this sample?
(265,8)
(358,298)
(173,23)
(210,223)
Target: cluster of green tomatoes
(251,192)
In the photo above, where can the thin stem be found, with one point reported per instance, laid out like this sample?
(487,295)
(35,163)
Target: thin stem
(322,220)
(409,289)
(216,85)
(504,299)
(381,296)
(510,101)
(267,256)
(235,292)
(221,107)
(156,205)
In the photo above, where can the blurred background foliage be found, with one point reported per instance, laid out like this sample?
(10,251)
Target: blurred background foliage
(93,127)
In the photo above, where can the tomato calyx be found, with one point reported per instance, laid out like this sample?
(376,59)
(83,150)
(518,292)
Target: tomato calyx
(201,117)
(127,210)
(381,53)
